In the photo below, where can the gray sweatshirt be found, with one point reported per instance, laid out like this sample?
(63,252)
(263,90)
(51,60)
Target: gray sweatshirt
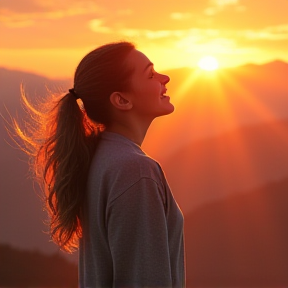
(132,226)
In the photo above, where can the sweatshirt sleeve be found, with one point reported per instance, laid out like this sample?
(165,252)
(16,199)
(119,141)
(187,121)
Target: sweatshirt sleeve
(138,237)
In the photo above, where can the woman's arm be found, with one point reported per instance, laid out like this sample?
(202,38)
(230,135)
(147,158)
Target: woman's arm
(138,237)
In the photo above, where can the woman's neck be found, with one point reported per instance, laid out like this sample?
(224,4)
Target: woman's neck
(135,131)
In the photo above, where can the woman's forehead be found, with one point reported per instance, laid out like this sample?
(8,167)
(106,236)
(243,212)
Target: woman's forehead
(138,60)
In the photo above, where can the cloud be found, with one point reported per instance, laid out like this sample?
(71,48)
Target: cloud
(206,40)
(18,23)
(15,20)
(45,10)
(27,6)
(223,2)
(149,34)
(272,33)
(68,5)
(220,40)
(211,11)
(180,16)
(96,25)
(194,35)
(217,6)
(199,44)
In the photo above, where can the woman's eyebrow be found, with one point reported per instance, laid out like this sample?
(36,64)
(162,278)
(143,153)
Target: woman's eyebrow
(148,65)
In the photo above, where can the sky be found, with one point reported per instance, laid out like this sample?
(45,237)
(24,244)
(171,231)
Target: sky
(50,37)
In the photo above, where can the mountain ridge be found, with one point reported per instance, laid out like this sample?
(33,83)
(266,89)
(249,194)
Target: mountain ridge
(200,114)
(31,268)
(237,241)
(235,160)
(240,241)
(276,62)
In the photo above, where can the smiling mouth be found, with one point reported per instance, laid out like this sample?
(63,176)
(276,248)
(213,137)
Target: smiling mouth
(163,95)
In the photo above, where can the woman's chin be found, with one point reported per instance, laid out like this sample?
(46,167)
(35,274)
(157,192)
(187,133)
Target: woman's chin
(169,108)
(172,108)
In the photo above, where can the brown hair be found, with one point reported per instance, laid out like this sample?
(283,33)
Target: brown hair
(62,137)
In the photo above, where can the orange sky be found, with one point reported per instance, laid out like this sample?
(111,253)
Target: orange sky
(50,37)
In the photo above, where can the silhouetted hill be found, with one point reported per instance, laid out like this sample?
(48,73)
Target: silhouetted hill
(206,108)
(208,104)
(277,65)
(21,221)
(35,85)
(20,268)
(230,163)
(240,241)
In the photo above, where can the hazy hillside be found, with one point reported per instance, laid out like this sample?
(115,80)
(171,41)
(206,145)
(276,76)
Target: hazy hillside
(240,241)
(199,145)
(21,221)
(232,162)
(21,268)
(35,85)
(207,104)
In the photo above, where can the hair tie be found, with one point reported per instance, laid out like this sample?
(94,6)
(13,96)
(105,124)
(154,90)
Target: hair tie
(72,91)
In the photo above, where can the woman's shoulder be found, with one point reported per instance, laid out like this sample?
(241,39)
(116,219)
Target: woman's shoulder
(137,163)
(116,157)
(120,165)
(135,171)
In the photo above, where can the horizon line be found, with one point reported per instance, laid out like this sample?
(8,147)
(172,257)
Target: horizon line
(15,69)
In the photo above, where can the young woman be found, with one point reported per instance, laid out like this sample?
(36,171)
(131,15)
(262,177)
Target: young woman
(104,194)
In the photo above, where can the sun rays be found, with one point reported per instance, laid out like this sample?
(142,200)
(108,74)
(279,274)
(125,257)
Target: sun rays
(210,104)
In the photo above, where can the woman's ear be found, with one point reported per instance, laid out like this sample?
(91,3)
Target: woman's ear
(120,102)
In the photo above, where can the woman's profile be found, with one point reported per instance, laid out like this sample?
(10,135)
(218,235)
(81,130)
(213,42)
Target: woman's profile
(104,195)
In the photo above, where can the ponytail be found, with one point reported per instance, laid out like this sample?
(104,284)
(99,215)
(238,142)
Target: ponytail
(61,137)
(61,144)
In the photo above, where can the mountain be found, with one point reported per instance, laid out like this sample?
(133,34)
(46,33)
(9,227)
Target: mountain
(34,85)
(242,102)
(229,163)
(210,103)
(20,268)
(240,241)
(21,221)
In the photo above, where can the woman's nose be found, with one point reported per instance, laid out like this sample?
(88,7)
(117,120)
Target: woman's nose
(165,79)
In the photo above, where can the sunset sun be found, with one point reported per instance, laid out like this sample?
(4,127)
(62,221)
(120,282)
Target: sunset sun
(208,63)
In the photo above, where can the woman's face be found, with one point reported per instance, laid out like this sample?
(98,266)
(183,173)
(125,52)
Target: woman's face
(147,89)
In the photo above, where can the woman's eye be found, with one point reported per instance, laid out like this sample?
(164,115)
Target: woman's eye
(151,74)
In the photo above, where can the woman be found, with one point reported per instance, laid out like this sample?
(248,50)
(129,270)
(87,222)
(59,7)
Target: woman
(104,194)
